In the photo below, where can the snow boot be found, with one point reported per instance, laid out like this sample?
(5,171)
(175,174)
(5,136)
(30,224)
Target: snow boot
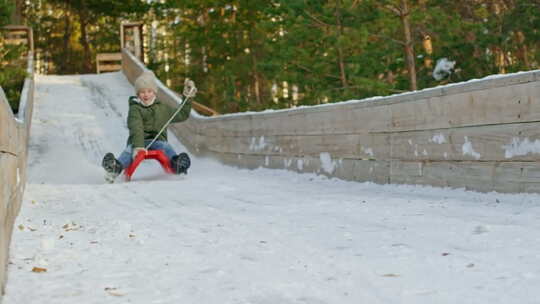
(180,163)
(112,167)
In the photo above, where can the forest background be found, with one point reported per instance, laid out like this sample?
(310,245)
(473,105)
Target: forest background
(252,55)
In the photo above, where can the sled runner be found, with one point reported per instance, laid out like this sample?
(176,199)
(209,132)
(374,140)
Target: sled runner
(152,154)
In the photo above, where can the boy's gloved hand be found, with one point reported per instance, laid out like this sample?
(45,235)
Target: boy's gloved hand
(189,88)
(136,151)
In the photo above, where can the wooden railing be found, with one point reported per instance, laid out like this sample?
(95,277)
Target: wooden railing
(108,62)
(204,110)
(14,132)
(19,34)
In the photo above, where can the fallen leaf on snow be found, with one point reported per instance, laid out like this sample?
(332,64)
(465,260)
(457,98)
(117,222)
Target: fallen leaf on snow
(71,227)
(114,291)
(21,227)
(132,235)
(39,269)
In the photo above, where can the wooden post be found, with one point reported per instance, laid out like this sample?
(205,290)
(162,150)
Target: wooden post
(131,37)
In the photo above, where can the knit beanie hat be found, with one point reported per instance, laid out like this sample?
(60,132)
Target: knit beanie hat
(146,81)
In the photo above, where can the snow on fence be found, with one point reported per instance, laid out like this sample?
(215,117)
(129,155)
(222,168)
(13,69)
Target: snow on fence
(482,135)
(14,132)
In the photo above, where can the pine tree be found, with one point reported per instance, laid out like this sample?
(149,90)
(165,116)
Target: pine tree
(82,27)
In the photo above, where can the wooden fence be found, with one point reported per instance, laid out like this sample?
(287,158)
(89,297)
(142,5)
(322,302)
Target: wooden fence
(108,62)
(482,135)
(19,34)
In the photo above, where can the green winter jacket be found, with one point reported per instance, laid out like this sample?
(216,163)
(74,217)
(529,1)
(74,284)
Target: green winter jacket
(144,122)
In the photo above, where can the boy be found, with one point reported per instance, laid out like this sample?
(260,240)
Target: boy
(146,117)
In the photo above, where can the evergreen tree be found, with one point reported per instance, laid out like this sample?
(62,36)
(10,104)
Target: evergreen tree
(12,65)
(6,9)
(82,27)
(261,54)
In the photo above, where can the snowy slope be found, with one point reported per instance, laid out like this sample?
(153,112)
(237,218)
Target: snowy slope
(224,235)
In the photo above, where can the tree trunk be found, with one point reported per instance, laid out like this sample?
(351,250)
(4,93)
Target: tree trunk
(522,49)
(87,56)
(409,48)
(256,82)
(499,59)
(255,73)
(341,60)
(17,14)
(62,68)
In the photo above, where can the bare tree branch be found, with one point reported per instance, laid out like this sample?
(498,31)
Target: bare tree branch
(389,38)
(355,3)
(322,23)
(310,71)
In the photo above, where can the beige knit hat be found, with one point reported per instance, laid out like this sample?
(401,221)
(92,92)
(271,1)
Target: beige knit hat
(147,80)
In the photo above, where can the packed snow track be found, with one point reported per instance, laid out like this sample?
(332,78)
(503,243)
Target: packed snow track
(229,235)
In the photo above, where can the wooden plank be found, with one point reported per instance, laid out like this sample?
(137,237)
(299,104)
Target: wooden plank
(8,130)
(469,175)
(190,138)
(236,125)
(516,142)
(518,103)
(325,120)
(357,146)
(109,56)
(377,171)
(208,128)
(109,67)
(204,109)
(16,41)
(507,177)
(108,62)
(16,27)
(499,143)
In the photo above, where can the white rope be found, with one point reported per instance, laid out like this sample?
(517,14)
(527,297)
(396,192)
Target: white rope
(191,93)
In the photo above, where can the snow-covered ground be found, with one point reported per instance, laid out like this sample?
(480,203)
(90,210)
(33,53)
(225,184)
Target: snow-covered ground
(226,235)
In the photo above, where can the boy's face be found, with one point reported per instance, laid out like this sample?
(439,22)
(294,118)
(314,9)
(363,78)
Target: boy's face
(146,95)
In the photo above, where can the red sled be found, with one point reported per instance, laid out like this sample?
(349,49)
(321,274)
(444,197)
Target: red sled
(152,154)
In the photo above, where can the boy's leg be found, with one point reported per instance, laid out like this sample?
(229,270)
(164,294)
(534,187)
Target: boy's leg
(126,156)
(163,146)
(180,163)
